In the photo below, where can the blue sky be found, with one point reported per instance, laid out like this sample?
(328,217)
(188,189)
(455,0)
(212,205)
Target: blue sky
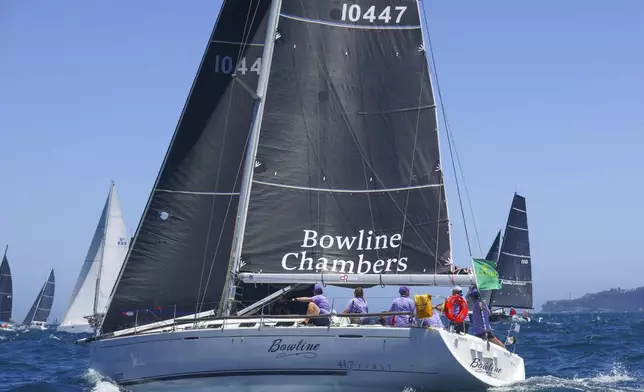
(544,98)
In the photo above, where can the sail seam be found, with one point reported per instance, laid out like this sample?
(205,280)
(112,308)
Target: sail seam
(235,43)
(518,209)
(348,26)
(416,108)
(515,255)
(518,228)
(198,193)
(305,188)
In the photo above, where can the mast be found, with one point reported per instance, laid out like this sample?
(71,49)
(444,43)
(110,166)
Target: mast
(97,290)
(249,163)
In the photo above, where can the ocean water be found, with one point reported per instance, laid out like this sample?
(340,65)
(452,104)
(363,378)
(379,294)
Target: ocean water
(587,352)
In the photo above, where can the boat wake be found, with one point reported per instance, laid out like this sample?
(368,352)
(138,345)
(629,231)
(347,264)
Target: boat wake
(99,383)
(617,380)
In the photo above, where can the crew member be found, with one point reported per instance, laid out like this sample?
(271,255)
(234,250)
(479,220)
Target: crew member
(480,326)
(318,305)
(402,304)
(456,309)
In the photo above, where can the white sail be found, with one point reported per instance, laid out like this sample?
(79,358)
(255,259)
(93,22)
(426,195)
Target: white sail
(100,268)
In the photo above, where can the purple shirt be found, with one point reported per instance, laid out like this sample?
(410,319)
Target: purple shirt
(322,303)
(480,318)
(434,321)
(402,304)
(357,305)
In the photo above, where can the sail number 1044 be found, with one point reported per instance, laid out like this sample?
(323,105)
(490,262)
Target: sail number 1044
(225,64)
(354,13)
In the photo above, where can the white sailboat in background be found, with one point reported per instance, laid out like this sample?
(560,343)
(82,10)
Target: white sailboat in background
(37,317)
(326,109)
(104,258)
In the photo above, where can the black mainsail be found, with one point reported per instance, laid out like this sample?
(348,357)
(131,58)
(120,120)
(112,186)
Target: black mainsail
(6,289)
(350,180)
(515,264)
(41,308)
(177,261)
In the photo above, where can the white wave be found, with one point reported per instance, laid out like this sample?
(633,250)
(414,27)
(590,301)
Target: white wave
(617,374)
(52,336)
(98,382)
(599,383)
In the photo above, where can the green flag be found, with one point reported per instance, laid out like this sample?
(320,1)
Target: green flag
(486,276)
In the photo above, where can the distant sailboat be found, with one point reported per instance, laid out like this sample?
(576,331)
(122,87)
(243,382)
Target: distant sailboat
(6,295)
(102,264)
(39,312)
(514,263)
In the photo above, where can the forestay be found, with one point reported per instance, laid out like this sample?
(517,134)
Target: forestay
(348,178)
(515,264)
(177,262)
(41,308)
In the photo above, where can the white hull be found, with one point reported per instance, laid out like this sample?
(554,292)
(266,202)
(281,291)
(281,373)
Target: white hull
(8,328)
(75,328)
(321,359)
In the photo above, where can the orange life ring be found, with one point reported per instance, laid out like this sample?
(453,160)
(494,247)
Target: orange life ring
(449,306)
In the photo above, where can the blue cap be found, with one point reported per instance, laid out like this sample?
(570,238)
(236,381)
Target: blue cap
(317,289)
(403,289)
(474,293)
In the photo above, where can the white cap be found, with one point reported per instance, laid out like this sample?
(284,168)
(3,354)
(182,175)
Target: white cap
(457,288)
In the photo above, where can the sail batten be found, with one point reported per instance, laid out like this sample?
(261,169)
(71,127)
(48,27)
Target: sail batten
(338,190)
(180,252)
(348,156)
(515,262)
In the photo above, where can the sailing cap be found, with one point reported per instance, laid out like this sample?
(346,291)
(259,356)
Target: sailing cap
(457,289)
(474,293)
(317,289)
(403,289)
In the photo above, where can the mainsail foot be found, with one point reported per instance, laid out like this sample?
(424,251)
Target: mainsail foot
(260,355)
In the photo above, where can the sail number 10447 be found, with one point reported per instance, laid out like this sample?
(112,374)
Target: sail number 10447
(354,13)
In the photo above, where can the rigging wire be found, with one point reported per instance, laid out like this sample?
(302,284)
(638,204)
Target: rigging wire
(451,143)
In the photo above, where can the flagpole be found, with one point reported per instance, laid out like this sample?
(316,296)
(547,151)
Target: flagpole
(476,282)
